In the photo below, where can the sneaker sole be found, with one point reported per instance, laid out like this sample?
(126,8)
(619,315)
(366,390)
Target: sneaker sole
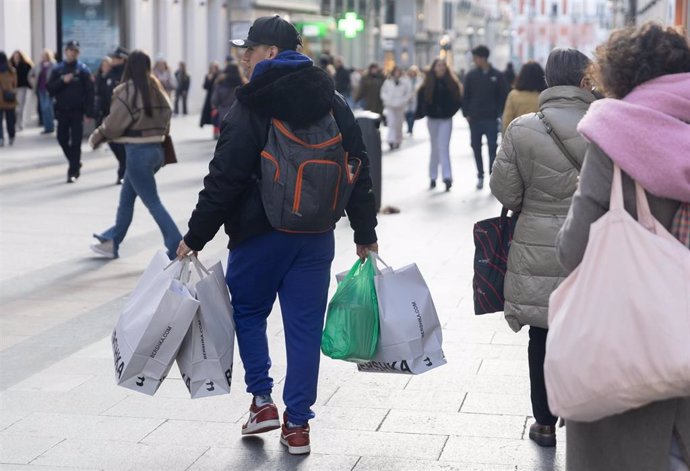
(296,450)
(103,253)
(265,426)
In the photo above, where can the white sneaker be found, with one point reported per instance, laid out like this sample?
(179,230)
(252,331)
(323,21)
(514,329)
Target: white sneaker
(105,249)
(480,183)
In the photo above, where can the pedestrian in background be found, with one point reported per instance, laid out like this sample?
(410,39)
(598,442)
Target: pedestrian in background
(8,98)
(524,98)
(209,80)
(139,118)
(644,128)
(343,84)
(485,95)
(113,78)
(509,74)
(415,83)
(22,65)
(182,90)
(224,91)
(439,98)
(165,76)
(101,94)
(395,95)
(265,262)
(71,86)
(533,176)
(370,89)
(39,78)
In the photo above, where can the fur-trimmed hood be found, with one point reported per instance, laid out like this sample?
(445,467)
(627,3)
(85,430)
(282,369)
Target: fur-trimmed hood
(299,97)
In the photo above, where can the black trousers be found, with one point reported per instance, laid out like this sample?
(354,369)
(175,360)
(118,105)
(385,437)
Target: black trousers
(181,96)
(11,117)
(121,156)
(536,352)
(479,128)
(70,130)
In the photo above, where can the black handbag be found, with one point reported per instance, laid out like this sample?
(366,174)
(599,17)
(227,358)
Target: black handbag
(492,239)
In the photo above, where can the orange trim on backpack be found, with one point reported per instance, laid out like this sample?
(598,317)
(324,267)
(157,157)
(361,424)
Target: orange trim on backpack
(298,184)
(282,128)
(351,178)
(268,156)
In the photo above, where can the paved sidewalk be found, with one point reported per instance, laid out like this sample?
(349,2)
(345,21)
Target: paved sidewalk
(60,409)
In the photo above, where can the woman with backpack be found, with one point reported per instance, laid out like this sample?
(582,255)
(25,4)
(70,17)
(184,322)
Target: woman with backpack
(534,176)
(644,128)
(140,119)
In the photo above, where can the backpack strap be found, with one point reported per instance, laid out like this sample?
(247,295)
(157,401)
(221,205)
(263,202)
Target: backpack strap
(552,132)
(280,126)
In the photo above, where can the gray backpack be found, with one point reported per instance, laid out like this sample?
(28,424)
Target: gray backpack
(306,176)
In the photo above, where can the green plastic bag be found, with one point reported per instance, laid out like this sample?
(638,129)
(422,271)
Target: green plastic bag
(352,321)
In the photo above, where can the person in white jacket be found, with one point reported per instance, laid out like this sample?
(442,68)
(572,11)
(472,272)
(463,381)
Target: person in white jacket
(395,94)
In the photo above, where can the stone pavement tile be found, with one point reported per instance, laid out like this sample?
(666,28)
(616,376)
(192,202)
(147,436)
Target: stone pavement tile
(519,367)
(91,397)
(212,409)
(56,380)
(458,424)
(491,403)
(484,351)
(93,427)
(375,463)
(451,377)
(8,417)
(258,459)
(7,341)
(395,445)
(348,418)
(427,400)
(30,467)
(198,433)
(340,372)
(115,455)
(21,449)
(508,337)
(512,385)
(521,453)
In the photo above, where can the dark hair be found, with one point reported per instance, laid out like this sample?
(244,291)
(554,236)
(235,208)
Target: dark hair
(3,59)
(565,66)
(531,78)
(138,70)
(232,76)
(481,51)
(632,56)
(449,78)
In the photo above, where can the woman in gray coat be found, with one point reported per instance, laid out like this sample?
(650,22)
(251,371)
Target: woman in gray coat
(644,128)
(531,175)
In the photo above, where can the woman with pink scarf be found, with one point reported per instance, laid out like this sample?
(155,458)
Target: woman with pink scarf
(644,127)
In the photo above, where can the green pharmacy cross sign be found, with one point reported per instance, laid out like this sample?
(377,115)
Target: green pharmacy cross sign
(350,25)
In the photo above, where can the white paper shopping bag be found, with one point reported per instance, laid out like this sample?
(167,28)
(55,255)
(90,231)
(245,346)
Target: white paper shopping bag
(411,340)
(150,330)
(206,357)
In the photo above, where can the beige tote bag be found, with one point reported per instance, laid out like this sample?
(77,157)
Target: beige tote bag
(619,325)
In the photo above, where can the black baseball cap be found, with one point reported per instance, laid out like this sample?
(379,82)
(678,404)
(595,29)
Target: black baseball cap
(73,44)
(271,31)
(119,53)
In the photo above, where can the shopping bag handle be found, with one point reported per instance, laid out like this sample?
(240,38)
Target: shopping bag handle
(376,256)
(184,263)
(201,270)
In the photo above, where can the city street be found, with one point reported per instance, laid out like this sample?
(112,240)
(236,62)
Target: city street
(60,407)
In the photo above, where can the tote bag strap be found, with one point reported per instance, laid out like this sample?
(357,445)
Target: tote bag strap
(552,132)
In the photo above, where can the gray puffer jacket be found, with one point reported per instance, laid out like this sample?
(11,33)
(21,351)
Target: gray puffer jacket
(531,175)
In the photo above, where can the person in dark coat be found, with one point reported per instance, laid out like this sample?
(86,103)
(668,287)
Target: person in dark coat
(485,95)
(209,81)
(370,90)
(22,65)
(71,86)
(118,60)
(8,98)
(265,262)
(224,90)
(182,90)
(343,84)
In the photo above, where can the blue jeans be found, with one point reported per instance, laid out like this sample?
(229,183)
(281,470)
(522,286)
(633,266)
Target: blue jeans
(478,128)
(46,110)
(143,161)
(296,267)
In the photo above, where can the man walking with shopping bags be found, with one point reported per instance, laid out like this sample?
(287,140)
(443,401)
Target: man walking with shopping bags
(283,247)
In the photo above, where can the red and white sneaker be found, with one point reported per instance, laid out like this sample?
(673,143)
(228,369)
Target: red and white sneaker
(261,419)
(295,439)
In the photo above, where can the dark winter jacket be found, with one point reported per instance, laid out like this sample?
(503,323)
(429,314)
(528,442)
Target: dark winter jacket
(485,94)
(444,104)
(75,96)
(206,111)
(231,191)
(342,81)
(23,70)
(370,92)
(223,96)
(105,84)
